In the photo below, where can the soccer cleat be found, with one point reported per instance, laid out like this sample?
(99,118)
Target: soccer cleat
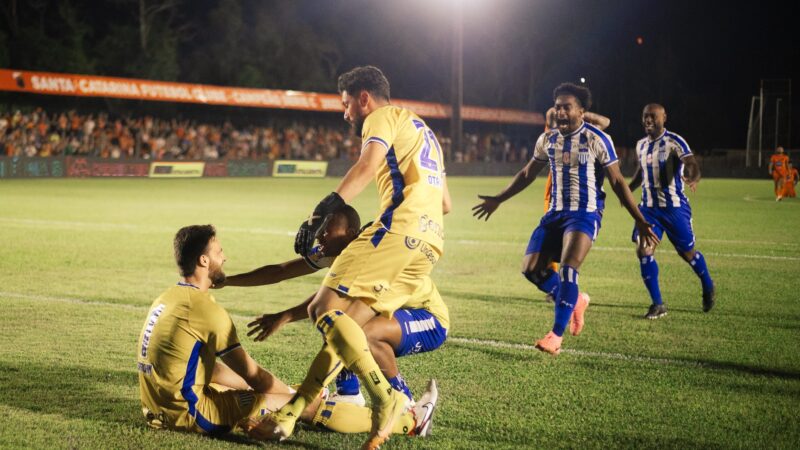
(383,419)
(709,297)
(356,399)
(550,343)
(423,411)
(576,324)
(656,311)
(273,427)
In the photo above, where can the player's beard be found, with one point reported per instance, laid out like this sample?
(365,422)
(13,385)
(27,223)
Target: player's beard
(216,275)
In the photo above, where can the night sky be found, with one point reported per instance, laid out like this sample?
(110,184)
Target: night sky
(702,60)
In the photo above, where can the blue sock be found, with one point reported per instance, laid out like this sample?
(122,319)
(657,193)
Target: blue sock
(347,383)
(547,281)
(567,298)
(399,384)
(649,268)
(698,264)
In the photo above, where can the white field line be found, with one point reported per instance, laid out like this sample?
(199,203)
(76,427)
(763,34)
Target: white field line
(457,340)
(101,226)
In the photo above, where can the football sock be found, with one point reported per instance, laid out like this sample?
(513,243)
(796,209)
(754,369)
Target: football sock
(399,383)
(346,417)
(649,268)
(347,383)
(348,339)
(698,264)
(323,370)
(546,280)
(567,298)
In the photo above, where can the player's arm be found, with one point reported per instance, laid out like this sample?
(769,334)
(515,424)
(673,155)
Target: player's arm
(769,168)
(600,121)
(362,172)
(636,181)
(254,375)
(269,274)
(624,195)
(691,171)
(268,324)
(521,180)
(447,203)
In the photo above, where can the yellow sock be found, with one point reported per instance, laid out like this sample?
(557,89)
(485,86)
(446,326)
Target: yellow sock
(345,417)
(348,339)
(323,371)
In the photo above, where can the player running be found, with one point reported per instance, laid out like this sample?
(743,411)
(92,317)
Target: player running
(778,163)
(579,155)
(666,164)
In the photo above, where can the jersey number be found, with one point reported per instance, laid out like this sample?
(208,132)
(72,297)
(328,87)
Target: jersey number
(425,155)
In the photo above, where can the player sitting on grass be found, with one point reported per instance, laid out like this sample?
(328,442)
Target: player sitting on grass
(418,327)
(184,387)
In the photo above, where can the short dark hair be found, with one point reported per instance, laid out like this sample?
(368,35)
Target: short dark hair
(581,93)
(365,78)
(350,213)
(190,243)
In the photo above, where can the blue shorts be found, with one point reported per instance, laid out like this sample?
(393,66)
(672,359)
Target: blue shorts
(548,237)
(677,222)
(422,332)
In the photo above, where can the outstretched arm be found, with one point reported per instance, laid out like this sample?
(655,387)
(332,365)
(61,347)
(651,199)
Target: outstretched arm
(626,198)
(521,180)
(691,172)
(269,274)
(268,324)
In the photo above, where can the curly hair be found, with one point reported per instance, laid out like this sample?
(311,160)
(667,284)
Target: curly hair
(582,94)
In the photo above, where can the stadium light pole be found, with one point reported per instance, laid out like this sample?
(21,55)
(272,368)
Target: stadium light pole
(457,79)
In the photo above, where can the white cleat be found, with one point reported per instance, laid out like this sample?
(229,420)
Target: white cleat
(423,411)
(357,399)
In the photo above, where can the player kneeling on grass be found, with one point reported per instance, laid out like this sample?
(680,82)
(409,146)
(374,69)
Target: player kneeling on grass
(419,326)
(182,385)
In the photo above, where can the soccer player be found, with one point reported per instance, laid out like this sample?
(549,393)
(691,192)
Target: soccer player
(666,164)
(389,261)
(419,326)
(578,154)
(184,387)
(777,169)
(599,121)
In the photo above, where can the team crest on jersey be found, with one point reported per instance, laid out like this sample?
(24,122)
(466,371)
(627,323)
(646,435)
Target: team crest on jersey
(583,156)
(649,158)
(566,157)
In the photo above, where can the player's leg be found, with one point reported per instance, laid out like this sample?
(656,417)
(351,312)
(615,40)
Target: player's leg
(681,234)
(576,245)
(648,265)
(543,247)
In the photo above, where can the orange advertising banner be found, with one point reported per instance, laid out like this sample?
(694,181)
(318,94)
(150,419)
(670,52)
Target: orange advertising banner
(165,91)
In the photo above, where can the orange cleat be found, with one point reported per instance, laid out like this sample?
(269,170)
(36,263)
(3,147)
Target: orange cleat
(576,324)
(550,343)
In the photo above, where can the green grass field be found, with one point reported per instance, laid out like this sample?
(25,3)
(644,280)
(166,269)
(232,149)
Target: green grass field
(82,260)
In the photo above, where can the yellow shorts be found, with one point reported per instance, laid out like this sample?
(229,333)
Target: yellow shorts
(215,411)
(385,276)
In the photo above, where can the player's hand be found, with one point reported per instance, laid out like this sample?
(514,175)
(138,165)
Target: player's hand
(691,183)
(265,326)
(485,209)
(647,236)
(304,239)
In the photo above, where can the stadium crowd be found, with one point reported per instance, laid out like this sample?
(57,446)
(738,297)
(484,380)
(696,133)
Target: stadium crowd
(42,134)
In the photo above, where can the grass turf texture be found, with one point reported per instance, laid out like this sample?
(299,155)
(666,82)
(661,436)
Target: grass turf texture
(83,259)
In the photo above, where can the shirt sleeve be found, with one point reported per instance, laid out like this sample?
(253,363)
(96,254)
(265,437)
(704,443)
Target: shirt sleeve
(605,153)
(681,146)
(216,326)
(540,150)
(379,128)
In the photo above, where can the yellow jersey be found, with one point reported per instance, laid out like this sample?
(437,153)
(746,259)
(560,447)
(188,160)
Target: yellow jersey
(185,331)
(410,179)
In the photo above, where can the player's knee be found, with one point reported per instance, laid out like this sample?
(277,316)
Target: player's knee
(688,255)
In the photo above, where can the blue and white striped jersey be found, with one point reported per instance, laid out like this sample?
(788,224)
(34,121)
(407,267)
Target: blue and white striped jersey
(660,188)
(576,164)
